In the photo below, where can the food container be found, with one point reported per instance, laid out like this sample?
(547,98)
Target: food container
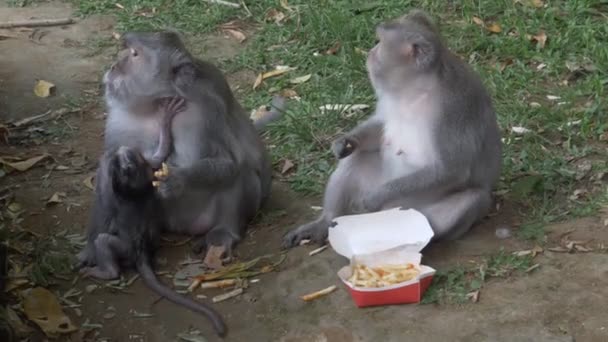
(393,236)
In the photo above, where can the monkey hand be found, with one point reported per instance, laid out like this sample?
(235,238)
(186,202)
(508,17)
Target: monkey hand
(173,105)
(160,175)
(170,186)
(344,146)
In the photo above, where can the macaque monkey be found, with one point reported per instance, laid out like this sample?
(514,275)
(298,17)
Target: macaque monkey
(219,170)
(433,143)
(132,235)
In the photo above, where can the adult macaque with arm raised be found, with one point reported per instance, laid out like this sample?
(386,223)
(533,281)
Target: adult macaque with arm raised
(219,171)
(433,143)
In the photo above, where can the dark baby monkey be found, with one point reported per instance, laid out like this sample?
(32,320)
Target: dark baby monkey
(133,233)
(219,170)
(433,143)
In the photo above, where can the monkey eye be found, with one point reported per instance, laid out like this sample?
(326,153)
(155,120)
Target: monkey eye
(134,52)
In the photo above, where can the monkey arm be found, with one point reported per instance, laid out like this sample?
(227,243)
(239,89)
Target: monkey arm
(368,134)
(366,137)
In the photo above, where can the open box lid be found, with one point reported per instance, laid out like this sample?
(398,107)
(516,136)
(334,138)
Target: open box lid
(408,230)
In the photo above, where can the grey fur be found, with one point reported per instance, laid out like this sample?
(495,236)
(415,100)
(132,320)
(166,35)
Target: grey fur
(453,183)
(220,172)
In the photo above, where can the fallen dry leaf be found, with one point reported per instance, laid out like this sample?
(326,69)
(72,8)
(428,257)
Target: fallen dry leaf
(43,88)
(531,3)
(289,93)
(301,79)
(279,70)
(494,28)
(520,130)
(287,165)
(213,258)
(540,39)
(532,268)
(116,35)
(275,15)
(236,34)
(285,5)
(473,296)
(478,21)
(25,164)
(42,307)
(333,49)
(88,182)
(56,198)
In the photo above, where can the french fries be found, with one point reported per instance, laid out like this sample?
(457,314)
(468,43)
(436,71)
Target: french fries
(162,173)
(381,276)
(318,294)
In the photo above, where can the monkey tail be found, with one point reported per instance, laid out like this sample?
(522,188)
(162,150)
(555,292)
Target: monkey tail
(277,107)
(150,279)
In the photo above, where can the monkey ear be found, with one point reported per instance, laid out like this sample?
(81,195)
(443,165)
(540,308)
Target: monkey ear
(184,74)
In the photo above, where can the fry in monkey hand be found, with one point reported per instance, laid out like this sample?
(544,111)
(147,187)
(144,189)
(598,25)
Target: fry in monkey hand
(381,276)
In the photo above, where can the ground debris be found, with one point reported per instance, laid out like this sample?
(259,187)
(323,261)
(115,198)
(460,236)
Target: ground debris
(225,296)
(318,294)
(42,307)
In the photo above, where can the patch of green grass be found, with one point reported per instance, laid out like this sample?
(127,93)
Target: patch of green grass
(455,285)
(527,80)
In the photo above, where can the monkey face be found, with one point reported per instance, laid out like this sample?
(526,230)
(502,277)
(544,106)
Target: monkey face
(144,67)
(406,49)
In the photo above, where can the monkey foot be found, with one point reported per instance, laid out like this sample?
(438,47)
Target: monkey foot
(97,272)
(217,246)
(315,231)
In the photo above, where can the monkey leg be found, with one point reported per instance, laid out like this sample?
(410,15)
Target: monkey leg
(109,249)
(455,214)
(235,207)
(354,177)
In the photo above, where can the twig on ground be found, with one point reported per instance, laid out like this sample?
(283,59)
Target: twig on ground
(37,22)
(223,2)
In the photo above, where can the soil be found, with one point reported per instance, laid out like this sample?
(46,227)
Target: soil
(562,300)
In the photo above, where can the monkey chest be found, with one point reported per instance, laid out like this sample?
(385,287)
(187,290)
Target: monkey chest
(406,146)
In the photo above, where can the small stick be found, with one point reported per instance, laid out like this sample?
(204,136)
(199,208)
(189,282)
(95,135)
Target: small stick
(317,251)
(227,295)
(37,22)
(318,294)
(222,2)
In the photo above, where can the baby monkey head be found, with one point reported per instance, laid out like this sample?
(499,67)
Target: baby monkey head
(408,47)
(150,65)
(131,175)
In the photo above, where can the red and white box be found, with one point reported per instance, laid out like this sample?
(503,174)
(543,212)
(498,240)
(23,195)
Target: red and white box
(394,237)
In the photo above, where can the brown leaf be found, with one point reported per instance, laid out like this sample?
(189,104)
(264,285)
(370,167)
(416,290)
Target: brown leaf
(558,249)
(334,49)
(213,258)
(25,164)
(287,165)
(258,81)
(275,15)
(537,3)
(285,5)
(473,296)
(56,198)
(42,307)
(540,38)
(478,21)
(301,79)
(279,70)
(494,28)
(43,88)
(88,182)
(288,93)
(236,34)
(119,6)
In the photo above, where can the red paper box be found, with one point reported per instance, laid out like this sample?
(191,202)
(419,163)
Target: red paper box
(394,236)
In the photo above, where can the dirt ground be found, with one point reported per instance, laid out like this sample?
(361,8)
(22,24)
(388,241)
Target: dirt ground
(563,300)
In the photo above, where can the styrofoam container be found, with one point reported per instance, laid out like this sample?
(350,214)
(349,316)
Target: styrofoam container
(393,236)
